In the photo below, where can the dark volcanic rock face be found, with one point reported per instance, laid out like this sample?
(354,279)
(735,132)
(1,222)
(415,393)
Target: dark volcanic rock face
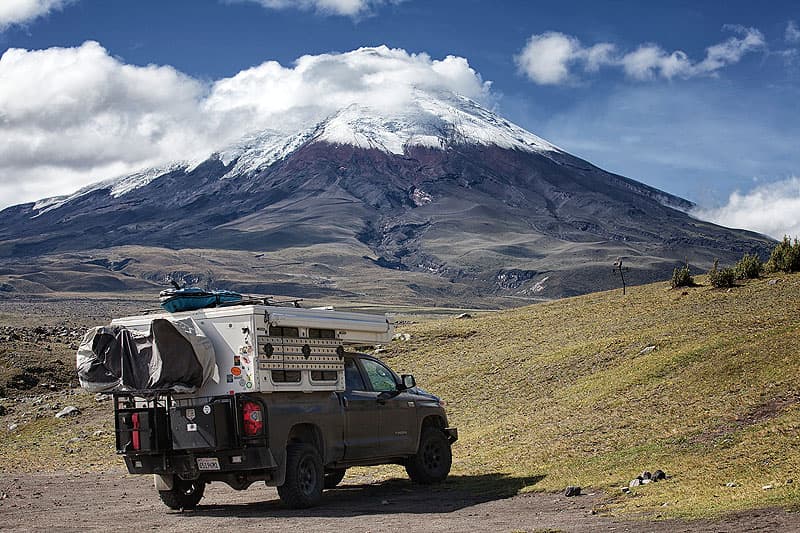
(475,220)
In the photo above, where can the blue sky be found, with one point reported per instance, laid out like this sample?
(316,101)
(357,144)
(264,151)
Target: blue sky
(697,98)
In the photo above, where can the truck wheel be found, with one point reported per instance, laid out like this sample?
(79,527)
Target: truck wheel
(304,477)
(334,477)
(185,494)
(432,461)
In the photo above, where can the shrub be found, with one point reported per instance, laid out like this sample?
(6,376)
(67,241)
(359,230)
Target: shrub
(748,267)
(721,278)
(682,277)
(785,256)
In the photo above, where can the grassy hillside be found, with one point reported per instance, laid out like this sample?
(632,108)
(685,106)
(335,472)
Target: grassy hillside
(566,390)
(565,393)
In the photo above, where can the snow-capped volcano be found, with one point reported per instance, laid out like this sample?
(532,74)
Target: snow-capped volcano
(437,197)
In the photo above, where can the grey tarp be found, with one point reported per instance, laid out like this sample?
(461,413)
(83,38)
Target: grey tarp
(174,354)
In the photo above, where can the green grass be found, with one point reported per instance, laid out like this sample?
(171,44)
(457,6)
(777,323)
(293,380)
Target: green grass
(561,390)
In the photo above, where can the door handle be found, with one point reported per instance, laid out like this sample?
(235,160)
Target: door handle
(345,401)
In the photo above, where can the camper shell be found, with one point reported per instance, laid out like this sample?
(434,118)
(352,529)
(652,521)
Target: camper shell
(290,401)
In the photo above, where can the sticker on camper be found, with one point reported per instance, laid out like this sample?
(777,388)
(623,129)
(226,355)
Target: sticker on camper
(242,383)
(237,360)
(206,409)
(236,371)
(229,378)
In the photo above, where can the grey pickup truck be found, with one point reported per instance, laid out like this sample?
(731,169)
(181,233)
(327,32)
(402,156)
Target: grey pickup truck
(301,442)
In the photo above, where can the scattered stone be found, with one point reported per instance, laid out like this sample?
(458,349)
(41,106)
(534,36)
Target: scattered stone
(99,433)
(12,427)
(102,397)
(379,350)
(767,487)
(625,490)
(773,282)
(572,490)
(731,484)
(646,481)
(635,482)
(647,349)
(402,337)
(789,481)
(69,410)
(645,475)
(464,315)
(658,475)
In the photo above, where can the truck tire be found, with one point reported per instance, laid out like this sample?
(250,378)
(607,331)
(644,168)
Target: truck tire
(184,494)
(334,477)
(433,459)
(304,477)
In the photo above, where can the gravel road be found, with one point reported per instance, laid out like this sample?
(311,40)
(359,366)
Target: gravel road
(115,501)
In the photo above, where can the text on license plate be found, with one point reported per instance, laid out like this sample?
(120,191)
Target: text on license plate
(207,463)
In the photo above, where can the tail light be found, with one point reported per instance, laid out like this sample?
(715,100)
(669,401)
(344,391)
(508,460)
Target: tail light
(135,432)
(253,418)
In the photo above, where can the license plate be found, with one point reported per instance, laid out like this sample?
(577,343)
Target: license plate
(207,463)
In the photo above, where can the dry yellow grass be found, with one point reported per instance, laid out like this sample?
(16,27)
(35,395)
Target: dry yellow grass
(563,390)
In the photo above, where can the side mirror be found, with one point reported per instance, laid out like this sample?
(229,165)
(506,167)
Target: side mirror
(407,381)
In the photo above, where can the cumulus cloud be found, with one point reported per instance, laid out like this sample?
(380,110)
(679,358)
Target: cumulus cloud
(72,116)
(551,58)
(547,58)
(792,34)
(14,12)
(772,209)
(349,8)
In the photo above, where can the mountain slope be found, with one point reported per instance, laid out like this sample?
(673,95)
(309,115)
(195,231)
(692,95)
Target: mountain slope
(473,205)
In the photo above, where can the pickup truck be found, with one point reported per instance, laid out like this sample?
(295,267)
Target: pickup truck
(300,442)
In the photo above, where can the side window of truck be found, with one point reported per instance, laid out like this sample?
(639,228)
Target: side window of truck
(352,377)
(381,377)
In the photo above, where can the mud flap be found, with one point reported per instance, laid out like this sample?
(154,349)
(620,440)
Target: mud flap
(163,482)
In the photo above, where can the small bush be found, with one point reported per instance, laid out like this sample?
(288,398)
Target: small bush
(748,267)
(682,277)
(785,256)
(721,278)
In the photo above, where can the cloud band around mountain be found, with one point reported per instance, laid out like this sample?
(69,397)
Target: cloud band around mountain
(72,116)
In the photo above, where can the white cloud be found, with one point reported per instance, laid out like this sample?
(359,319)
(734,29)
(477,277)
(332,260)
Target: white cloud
(772,209)
(22,11)
(349,8)
(792,34)
(72,116)
(548,58)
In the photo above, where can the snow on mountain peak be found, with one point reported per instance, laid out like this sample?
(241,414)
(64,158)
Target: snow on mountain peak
(434,121)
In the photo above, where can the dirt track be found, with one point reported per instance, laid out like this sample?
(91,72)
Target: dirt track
(117,501)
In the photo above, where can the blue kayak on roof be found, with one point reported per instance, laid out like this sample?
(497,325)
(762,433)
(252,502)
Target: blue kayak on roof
(191,298)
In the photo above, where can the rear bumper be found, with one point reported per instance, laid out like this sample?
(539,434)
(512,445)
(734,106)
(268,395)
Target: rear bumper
(185,464)
(452,434)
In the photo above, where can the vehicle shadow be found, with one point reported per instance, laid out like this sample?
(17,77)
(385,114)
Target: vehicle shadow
(392,496)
